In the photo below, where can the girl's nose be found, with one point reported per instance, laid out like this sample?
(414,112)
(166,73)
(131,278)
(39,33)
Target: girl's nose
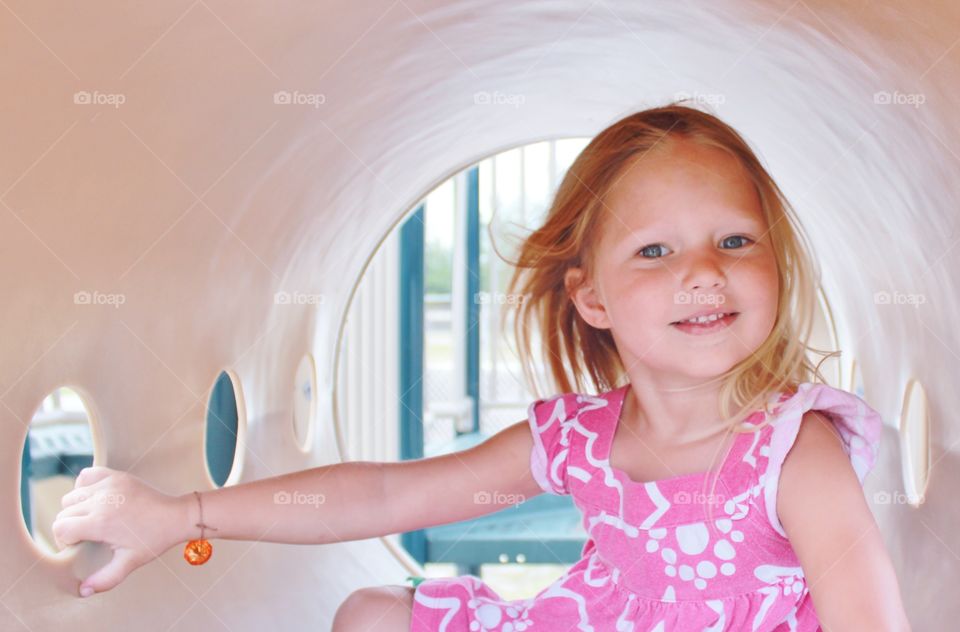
(717,282)
(704,273)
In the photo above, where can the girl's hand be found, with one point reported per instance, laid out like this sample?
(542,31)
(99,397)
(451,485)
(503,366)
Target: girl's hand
(138,522)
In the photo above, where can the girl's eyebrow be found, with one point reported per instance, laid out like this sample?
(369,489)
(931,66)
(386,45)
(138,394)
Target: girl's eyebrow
(735,221)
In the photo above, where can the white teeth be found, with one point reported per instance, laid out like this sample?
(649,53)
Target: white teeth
(704,319)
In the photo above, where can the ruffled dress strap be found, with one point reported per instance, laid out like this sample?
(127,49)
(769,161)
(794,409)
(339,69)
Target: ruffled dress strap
(551,420)
(858,425)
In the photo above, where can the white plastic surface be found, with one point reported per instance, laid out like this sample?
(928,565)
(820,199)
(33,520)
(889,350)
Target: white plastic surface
(198,158)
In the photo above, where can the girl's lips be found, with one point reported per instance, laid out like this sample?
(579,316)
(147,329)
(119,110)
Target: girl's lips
(706,328)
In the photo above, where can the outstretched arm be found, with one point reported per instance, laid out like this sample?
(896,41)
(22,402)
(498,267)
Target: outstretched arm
(823,511)
(363,499)
(339,502)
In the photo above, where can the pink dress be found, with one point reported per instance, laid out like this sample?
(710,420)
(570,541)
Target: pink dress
(653,560)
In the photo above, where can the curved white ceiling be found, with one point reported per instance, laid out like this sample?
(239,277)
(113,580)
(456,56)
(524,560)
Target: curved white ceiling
(198,197)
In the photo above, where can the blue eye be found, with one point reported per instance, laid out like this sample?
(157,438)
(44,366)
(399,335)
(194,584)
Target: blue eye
(646,250)
(737,237)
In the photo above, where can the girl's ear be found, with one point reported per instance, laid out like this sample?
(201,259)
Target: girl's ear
(581,291)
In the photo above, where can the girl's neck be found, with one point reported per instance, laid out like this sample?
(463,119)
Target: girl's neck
(673,418)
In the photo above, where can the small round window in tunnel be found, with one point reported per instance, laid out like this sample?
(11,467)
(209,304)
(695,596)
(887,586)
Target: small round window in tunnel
(59,443)
(304,401)
(224,430)
(915,442)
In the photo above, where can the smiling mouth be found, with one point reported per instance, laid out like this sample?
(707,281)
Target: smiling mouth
(690,322)
(707,327)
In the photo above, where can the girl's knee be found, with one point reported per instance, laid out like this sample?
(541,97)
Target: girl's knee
(375,608)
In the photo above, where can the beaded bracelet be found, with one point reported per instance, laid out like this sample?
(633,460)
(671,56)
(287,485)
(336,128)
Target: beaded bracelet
(199,551)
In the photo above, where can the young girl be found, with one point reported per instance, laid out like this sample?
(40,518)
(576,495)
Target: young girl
(719,479)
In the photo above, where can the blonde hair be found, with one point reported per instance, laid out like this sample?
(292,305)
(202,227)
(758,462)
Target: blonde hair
(574,350)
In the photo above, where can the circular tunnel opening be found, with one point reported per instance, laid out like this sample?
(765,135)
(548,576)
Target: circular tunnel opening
(60,442)
(225,426)
(439,375)
(304,402)
(915,442)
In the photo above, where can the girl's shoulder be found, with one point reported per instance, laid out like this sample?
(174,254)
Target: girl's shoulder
(560,408)
(552,417)
(859,426)
(552,420)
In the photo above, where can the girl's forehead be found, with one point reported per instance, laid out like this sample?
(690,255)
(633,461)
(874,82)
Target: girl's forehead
(670,190)
(682,168)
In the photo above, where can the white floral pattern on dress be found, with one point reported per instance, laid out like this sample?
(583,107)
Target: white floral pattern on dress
(656,558)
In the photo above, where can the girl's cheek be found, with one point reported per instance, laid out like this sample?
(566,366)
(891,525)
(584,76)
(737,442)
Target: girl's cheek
(763,269)
(764,280)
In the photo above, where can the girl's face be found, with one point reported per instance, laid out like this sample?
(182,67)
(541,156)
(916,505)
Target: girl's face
(684,233)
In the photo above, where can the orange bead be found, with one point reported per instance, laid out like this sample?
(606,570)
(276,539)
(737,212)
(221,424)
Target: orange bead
(197,551)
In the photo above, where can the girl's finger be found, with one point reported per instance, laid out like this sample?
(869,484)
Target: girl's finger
(72,529)
(75,496)
(91,475)
(122,564)
(73,511)
(81,494)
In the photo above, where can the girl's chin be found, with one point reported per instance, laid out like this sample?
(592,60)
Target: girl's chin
(712,362)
